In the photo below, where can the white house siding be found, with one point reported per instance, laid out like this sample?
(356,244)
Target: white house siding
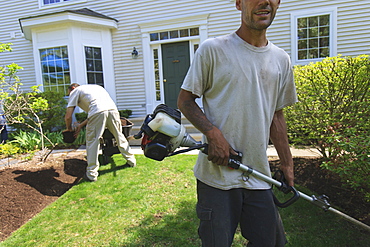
(130,72)
(353,37)
(353,20)
(22,49)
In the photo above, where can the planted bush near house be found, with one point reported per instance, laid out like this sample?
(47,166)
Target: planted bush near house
(125,113)
(52,118)
(81,116)
(332,114)
(27,141)
(8,150)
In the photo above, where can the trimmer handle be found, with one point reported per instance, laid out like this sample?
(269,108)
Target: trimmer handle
(235,163)
(237,157)
(279,176)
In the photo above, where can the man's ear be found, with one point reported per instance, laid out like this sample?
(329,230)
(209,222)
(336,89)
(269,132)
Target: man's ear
(237,5)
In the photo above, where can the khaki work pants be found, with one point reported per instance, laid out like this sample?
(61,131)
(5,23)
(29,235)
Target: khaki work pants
(94,131)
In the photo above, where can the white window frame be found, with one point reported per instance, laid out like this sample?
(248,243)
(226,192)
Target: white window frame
(74,31)
(332,12)
(62,3)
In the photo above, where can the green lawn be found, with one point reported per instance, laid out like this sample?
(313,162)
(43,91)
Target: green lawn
(153,204)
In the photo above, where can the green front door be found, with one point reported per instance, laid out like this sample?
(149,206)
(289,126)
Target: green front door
(176,62)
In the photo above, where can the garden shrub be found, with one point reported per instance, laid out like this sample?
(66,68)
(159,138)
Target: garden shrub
(332,115)
(9,150)
(81,116)
(52,118)
(125,113)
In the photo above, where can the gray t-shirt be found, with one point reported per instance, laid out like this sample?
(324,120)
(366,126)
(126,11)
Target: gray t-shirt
(241,87)
(92,99)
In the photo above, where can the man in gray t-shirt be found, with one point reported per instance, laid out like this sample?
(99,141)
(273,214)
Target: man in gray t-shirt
(102,113)
(245,81)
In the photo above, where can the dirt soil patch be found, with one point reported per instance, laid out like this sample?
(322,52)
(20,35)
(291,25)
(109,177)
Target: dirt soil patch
(28,187)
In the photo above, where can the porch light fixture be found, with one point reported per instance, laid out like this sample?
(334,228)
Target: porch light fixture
(134,53)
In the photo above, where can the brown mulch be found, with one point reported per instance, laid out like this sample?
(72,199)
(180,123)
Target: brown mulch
(26,188)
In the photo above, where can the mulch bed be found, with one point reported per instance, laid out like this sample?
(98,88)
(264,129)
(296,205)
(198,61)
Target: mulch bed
(26,188)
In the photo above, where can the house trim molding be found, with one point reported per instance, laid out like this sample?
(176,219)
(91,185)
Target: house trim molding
(166,24)
(29,23)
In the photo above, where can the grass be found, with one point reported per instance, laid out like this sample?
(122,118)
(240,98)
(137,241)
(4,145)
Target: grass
(153,204)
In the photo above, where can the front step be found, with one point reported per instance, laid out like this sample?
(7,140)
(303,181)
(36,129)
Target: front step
(192,131)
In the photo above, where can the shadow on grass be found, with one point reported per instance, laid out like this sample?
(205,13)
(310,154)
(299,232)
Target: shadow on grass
(166,229)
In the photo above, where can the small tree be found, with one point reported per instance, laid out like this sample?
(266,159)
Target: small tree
(17,105)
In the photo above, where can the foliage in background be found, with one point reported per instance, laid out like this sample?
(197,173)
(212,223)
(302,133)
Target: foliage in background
(332,115)
(19,106)
(81,116)
(52,117)
(27,143)
(24,142)
(125,113)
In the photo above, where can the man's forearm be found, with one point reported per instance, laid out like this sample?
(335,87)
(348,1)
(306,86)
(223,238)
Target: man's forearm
(68,118)
(218,147)
(279,137)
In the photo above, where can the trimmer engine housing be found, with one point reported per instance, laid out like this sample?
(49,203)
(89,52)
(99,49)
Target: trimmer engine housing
(163,133)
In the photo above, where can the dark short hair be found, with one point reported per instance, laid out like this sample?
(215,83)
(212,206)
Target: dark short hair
(73,85)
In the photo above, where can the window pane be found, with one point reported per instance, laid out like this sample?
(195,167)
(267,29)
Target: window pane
(154,37)
(90,78)
(45,80)
(313,32)
(324,31)
(163,35)
(324,52)
(90,65)
(314,53)
(302,33)
(88,52)
(53,1)
(194,31)
(174,34)
(94,66)
(302,54)
(324,20)
(97,53)
(313,43)
(99,79)
(184,33)
(302,22)
(156,75)
(324,42)
(302,44)
(98,65)
(155,53)
(55,68)
(313,21)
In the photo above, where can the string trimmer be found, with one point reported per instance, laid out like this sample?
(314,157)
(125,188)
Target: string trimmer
(164,134)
